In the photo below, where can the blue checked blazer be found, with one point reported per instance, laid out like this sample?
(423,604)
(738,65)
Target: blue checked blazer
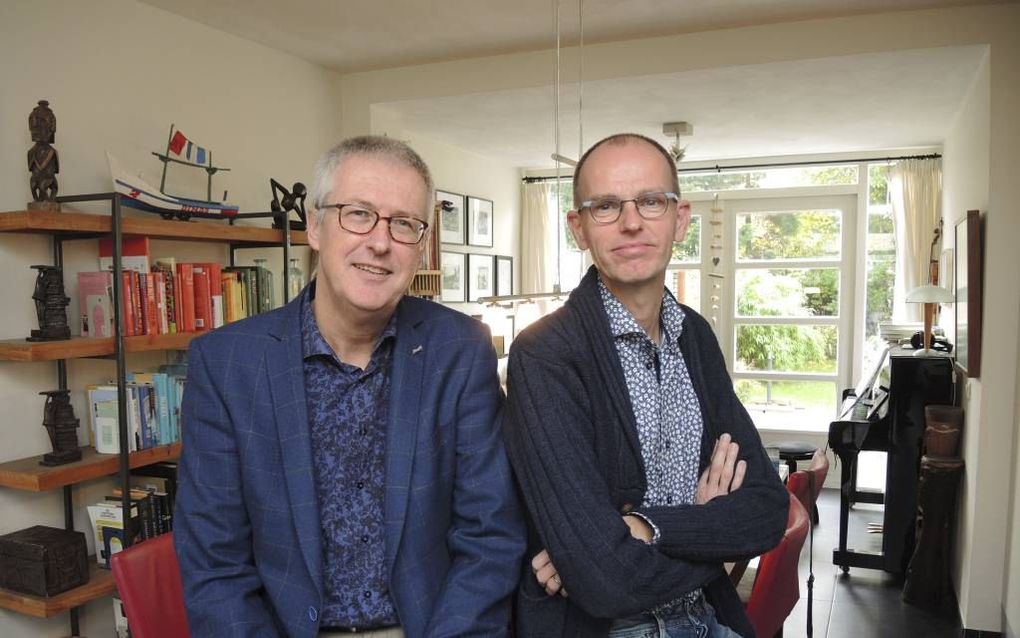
(246,524)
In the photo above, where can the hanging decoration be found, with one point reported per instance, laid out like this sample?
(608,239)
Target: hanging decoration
(715,246)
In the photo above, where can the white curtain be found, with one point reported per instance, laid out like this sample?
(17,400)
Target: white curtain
(538,250)
(915,188)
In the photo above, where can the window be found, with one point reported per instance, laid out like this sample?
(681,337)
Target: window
(710,181)
(570,258)
(789,268)
(880,263)
(683,277)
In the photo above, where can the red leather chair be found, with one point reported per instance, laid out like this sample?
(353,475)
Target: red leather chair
(776,587)
(806,485)
(149,581)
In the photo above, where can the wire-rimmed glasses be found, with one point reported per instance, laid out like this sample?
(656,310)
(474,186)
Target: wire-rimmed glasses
(606,210)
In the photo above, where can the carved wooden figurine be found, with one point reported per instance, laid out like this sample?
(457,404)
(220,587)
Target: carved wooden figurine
(62,426)
(50,305)
(43,162)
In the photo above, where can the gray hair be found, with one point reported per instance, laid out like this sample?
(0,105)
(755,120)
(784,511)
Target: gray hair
(621,139)
(374,145)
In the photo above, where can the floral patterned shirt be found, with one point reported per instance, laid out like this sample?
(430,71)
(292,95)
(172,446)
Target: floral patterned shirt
(347,410)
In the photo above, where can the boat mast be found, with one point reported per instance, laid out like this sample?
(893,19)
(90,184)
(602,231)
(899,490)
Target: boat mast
(162,180)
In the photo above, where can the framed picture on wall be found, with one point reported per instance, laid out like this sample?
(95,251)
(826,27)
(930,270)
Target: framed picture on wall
(969,294)
(481,276)
(479,221)
(451,218)
(454,274)
(504,275)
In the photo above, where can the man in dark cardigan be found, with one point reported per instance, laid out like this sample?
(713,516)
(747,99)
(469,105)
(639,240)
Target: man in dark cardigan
(640,469)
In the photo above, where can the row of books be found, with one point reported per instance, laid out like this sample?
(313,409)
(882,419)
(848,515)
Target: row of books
(153,489)
(153,410)
(169,297)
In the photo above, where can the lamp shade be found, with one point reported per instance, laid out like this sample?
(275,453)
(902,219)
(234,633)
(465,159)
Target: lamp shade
(929,293)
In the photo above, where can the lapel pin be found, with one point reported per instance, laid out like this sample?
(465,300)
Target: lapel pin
(416,350)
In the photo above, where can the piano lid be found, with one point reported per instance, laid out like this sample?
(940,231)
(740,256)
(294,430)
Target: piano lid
(866,390)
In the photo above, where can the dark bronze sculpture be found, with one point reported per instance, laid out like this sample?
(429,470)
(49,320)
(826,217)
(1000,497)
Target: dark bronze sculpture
(62,426)
(50,305)
(43,162)
(285,201)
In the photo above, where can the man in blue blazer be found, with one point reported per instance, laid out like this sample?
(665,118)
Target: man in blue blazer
(342,467)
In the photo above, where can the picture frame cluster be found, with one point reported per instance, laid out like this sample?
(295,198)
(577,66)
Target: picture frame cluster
(466,220)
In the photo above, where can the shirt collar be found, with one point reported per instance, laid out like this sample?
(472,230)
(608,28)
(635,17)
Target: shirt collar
(314,344)
(622,322)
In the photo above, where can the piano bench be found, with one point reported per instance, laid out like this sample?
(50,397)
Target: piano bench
(793,451)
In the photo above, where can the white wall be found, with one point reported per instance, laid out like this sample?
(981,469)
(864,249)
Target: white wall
(1011,586)
(460,171)
(965,181)
(117,73)
(992,412)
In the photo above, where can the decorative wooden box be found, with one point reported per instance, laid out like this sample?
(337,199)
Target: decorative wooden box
(43,561)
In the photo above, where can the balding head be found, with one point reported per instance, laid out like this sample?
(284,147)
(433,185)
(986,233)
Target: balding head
(622,139)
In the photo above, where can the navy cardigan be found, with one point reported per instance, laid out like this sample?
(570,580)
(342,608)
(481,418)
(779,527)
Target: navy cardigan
(572,440)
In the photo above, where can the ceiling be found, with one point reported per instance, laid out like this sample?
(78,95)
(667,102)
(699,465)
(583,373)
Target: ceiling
(858,103)
(353,35)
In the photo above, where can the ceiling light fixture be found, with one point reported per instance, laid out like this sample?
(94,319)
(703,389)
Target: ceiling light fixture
(676,129)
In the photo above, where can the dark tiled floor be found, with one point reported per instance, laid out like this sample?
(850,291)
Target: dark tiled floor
(865,602)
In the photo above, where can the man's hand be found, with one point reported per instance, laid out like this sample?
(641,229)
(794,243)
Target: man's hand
(546,574)
(724,474)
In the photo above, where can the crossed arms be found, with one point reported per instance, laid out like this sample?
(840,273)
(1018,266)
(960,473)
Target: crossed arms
(557,444)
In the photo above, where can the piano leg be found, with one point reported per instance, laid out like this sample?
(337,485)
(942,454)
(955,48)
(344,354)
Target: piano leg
(848,472)
(852,494)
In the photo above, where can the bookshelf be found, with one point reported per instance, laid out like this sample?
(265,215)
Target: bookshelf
(100,584)
(84,224)
(85,347)
(26,473)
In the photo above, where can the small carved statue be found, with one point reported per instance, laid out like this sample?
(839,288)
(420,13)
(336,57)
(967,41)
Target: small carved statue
(43,162)
(50,305)
(284,202)
(62,426)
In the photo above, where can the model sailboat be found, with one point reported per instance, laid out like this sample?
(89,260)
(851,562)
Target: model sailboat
(137,193)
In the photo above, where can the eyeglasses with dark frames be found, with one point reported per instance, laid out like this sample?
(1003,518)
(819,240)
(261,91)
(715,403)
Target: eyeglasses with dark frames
(360,220)
(606,210)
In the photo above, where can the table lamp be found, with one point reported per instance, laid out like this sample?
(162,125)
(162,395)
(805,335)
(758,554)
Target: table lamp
(929,295)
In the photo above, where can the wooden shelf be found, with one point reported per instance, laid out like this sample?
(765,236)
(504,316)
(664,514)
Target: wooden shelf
(81,347)
(100,584)
(71,223)
(27,474)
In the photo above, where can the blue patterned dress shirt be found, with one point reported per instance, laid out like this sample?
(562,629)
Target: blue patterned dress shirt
(666,408)
(347,410)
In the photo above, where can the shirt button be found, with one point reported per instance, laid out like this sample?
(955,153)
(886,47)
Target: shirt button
(364,431)
(364,539)
(361,484)
(668,443)
(368,594)
(669,499)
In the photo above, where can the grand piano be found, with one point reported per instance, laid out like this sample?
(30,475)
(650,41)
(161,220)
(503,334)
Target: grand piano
(885,412)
